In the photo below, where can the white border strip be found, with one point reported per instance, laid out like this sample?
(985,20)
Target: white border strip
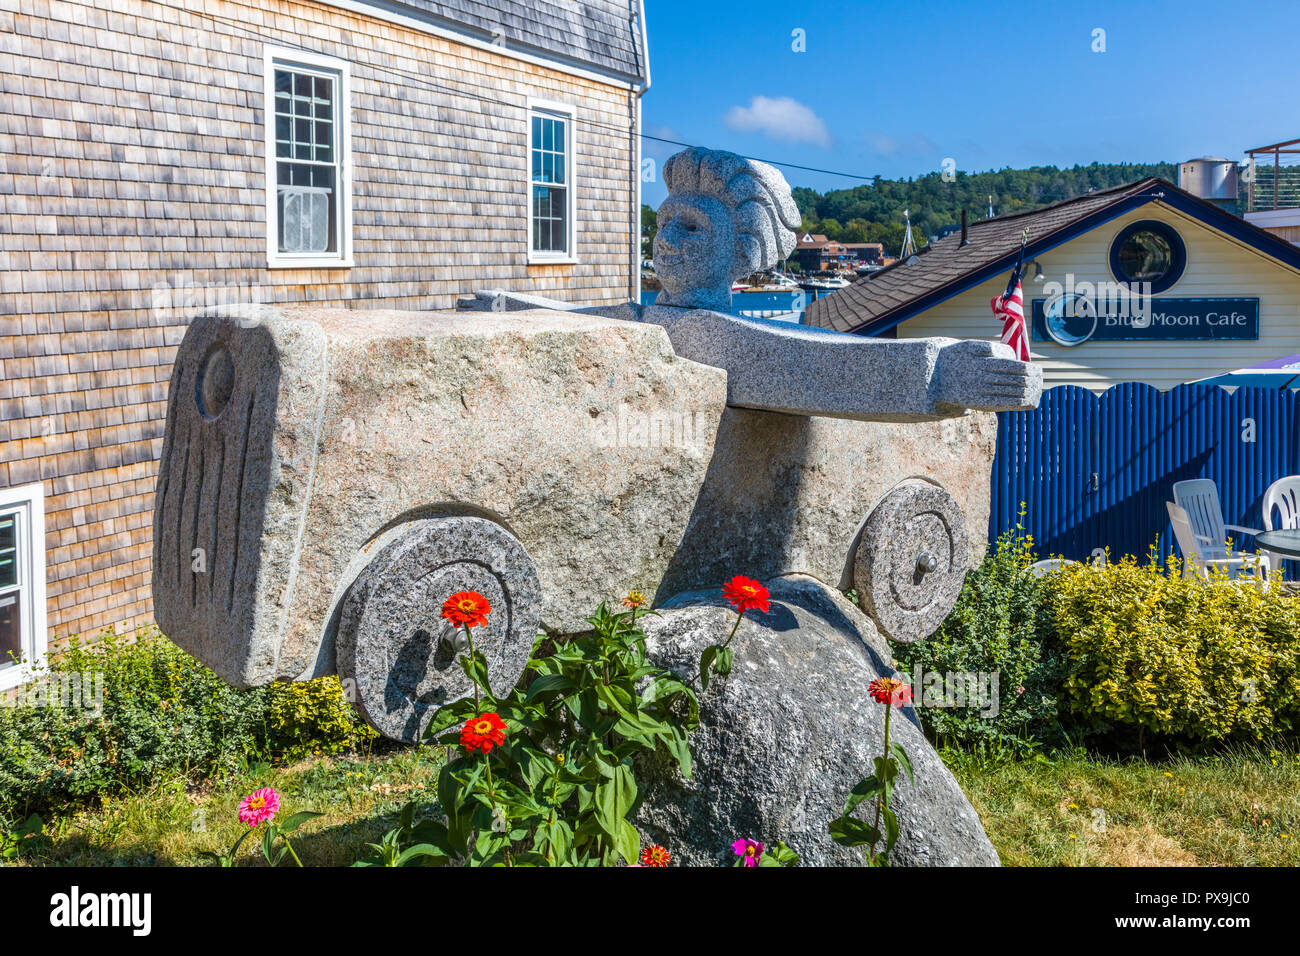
(31,546)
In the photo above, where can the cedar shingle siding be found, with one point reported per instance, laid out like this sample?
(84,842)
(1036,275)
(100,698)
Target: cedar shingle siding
(132,193)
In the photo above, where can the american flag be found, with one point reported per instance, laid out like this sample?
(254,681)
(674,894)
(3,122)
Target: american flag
(1010,308)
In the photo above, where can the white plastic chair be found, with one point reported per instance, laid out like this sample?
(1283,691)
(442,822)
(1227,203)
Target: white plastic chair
(1201,552)
(1047,566)
(1200,499)
(1283,496)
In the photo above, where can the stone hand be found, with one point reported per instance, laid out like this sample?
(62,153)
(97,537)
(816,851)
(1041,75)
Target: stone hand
(985,376)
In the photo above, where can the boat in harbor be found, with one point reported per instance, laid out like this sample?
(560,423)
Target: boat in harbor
(824,283)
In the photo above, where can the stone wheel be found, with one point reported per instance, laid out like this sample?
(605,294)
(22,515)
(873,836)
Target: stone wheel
(392,641)
(911,561)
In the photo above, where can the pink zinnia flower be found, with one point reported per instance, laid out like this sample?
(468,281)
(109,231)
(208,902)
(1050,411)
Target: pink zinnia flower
(259,807)
(751,850)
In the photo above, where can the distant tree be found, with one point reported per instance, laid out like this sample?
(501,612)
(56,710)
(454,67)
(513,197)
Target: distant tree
(649,226)
(875,209)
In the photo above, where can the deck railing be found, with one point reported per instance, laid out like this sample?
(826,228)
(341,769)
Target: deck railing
(1273,177)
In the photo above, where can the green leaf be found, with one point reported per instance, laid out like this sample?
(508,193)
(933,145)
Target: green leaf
(549,684)
(867,788)
(725,657)
(423,851)
(628,842)
(706,664)
(892,830)
(850,831)
(298,819)
(900,755)
(614,800)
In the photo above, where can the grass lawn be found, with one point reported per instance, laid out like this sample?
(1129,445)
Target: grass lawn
(1240,809)
(172,824)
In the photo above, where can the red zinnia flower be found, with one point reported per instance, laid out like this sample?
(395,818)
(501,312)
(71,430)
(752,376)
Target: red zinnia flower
(655,855)
(636,600)
(890,691)
(746,594)
(483,732)
(468,608)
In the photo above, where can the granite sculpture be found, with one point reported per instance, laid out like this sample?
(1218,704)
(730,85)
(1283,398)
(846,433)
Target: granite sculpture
(324,472)
(726,217)
(789,733)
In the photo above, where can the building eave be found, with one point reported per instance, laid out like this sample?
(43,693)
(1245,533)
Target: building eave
(1158,191)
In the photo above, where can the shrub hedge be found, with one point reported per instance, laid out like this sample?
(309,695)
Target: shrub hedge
(163,713)
(1131,651)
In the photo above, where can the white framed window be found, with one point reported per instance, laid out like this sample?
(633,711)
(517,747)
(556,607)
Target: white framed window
(550,182)
(22,583)
(307,101)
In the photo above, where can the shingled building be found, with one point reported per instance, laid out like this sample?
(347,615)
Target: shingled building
(161,157)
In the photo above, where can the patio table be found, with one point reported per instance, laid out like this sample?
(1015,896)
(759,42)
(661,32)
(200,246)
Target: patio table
(1285,542)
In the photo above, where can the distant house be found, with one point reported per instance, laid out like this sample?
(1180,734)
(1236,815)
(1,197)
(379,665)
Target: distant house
(1215,292)
(816,253)
(159,157)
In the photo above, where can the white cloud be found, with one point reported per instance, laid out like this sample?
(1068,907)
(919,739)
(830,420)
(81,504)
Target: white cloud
(780,118)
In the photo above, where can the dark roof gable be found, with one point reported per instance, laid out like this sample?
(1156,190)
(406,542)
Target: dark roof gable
(946,267)
(598,34)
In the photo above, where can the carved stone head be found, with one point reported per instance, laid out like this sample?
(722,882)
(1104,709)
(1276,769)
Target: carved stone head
(725,217)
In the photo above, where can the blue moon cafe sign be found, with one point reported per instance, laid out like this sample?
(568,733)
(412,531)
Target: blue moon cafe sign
(1071,319)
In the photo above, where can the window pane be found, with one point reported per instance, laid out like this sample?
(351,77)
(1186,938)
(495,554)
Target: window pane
(301,85)
(11,630)
(8,550)
(307,213)
(549,171)
(1146,257)
(283,82)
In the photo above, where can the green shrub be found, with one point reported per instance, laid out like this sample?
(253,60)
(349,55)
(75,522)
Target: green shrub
(163,713)
(311,718)
(1126,650)
(1001,623)
(1153,651)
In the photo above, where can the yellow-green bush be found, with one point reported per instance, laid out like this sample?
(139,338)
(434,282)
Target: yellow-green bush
(1151,650)
(312,717)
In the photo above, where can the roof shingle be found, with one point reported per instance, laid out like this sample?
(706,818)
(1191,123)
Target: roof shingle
(947,260)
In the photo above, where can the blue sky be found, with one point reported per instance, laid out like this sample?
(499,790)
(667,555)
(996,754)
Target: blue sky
(894,89)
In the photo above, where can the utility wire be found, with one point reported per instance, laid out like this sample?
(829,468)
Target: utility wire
(418,80)
(773,162)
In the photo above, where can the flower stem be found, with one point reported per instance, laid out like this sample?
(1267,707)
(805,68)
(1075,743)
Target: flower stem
(469,638)
(880,799)
(292,853)
(735,627)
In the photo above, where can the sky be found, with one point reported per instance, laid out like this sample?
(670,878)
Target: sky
(897,89)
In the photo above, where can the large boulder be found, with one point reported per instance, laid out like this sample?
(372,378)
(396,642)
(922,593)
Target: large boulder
(785,737)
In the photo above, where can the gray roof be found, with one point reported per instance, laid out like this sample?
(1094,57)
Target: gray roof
(597,34)
(886,294)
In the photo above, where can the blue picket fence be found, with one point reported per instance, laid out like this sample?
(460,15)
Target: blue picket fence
(1095,471)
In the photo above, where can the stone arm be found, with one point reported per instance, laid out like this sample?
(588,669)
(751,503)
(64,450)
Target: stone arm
(799,370)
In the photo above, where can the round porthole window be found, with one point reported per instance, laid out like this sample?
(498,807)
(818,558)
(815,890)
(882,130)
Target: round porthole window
(1148,251)
(1070,319)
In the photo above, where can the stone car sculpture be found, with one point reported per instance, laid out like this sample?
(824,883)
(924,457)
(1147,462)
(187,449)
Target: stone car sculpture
(329,477)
